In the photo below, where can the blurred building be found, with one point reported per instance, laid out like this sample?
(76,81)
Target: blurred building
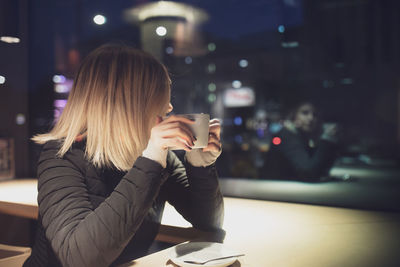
(172,22)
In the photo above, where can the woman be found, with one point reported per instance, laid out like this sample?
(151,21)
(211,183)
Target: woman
(303,149)
(105,171)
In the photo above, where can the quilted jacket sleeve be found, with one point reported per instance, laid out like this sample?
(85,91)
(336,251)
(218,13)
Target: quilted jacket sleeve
(79,234)
(195,194)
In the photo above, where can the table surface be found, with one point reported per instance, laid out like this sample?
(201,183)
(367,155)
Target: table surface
(19,197)
(284,234)
(271,233)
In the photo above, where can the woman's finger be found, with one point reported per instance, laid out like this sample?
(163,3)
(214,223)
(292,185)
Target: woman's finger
(178,143)
(214,143)
(212,138)
(177,132)
(215,120)
(215,129)
(178,118)
(177,125)
(212,147)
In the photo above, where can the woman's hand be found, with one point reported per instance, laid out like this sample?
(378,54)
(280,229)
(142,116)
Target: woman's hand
(214,143)
(208,155)
(171,132)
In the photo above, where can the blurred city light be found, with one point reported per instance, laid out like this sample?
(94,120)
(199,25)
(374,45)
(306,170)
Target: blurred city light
(211,47)
(260,133)
(243,63)
(212,87)
(347,81)
(62,85)
(290,44)
(328,84)
(236,84)
(2,79)
(20,119)
(275,127)
(188,60)
(60,103)
(212,97)
(263,147)
(276,141)
(238,139)
(10,39)
(161,31)
(58,79)
(245,147)
(211,68)
(176,21)
(169,50)
(166,9)
(239,97)
(99,19)
(238,120)
(281,28)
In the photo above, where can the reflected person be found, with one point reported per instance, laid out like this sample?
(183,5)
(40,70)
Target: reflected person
(304,149)
(105,171)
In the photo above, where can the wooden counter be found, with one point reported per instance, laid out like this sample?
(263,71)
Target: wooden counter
(269,233)
(18,197)
(283,234)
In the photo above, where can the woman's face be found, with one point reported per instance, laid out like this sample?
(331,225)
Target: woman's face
(160,117)
(305,118)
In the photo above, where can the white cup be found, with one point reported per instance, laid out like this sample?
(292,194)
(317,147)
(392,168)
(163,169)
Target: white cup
(200,128)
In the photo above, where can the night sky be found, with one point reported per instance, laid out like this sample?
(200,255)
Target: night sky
(228,18)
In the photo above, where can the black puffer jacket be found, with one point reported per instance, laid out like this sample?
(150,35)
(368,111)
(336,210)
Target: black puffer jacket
(103,217)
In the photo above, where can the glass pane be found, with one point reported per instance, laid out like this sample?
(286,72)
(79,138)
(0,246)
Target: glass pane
(307,91)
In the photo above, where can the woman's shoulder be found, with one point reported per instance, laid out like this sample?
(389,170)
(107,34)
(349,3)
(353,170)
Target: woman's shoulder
(55,145)
(52,144)
(49,150)
(50,154)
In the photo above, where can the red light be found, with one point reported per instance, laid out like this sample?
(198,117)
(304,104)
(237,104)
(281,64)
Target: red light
(276,141)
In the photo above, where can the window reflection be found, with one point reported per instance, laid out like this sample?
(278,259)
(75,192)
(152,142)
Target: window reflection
(304,148)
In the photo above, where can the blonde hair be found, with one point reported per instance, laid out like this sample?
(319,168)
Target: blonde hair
(117,93)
